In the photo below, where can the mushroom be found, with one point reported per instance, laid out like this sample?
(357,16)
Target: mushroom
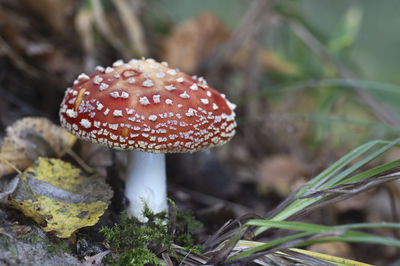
(150,109)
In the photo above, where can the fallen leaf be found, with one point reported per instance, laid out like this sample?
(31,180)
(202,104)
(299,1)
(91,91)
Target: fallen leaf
(53,12)
(128,14)
(59,198)
(104,26)
(193,40)
(268,60)
(281,173)
(10,29)
(84,25)
(96,156)
(20,230)
(27,39)
(7,186)
(29,138)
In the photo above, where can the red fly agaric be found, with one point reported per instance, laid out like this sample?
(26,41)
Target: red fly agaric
(151,109)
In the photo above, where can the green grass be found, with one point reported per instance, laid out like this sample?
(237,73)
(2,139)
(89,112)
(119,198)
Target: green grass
(320,234)
(336,175)
(136,243)
(343,179)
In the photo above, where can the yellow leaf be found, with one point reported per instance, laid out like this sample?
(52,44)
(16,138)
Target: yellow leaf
(59,198)
(29,138)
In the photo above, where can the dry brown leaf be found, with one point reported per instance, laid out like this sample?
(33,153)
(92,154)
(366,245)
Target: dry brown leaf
(30,49)
(84,25)
(53,12)
(105,28)
(7,187)
(190,42)
(11,29)
(29,138)
(193,40)
(17,59)
(133,28)
(20,230)
(59,64)
(96,156)
(84,21)
(281,173)
(95,260)
(268,60)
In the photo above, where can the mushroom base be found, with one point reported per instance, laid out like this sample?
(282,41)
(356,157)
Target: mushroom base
(146,183)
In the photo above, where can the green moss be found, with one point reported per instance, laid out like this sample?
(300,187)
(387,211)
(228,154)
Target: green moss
(184,225)
(58,246)
(8,244)
(31,238)
(135,243)
(5,242)
(54,246)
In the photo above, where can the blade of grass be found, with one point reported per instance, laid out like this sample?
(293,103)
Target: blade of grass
(332,177)
(325,257)
(270,244)
(359,164)
(336,180)
(338,165)
(344,161)
(355,239)
(328,172)
(316,228)
(320,234)
(330,258)
(372,172)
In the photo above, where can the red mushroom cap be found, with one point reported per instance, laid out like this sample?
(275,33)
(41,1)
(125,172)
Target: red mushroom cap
(145,105)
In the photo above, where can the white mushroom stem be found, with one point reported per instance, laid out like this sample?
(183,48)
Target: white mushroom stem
(146,183)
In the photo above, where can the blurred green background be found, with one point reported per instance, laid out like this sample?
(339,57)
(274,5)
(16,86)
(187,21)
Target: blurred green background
(377,43)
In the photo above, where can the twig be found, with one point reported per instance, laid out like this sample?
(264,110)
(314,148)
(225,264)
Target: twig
(81,162)
(84,22)
(199,259)
(104,27)
(166,259)
(133,27)
(253,73)
(10,165)
(17,59)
